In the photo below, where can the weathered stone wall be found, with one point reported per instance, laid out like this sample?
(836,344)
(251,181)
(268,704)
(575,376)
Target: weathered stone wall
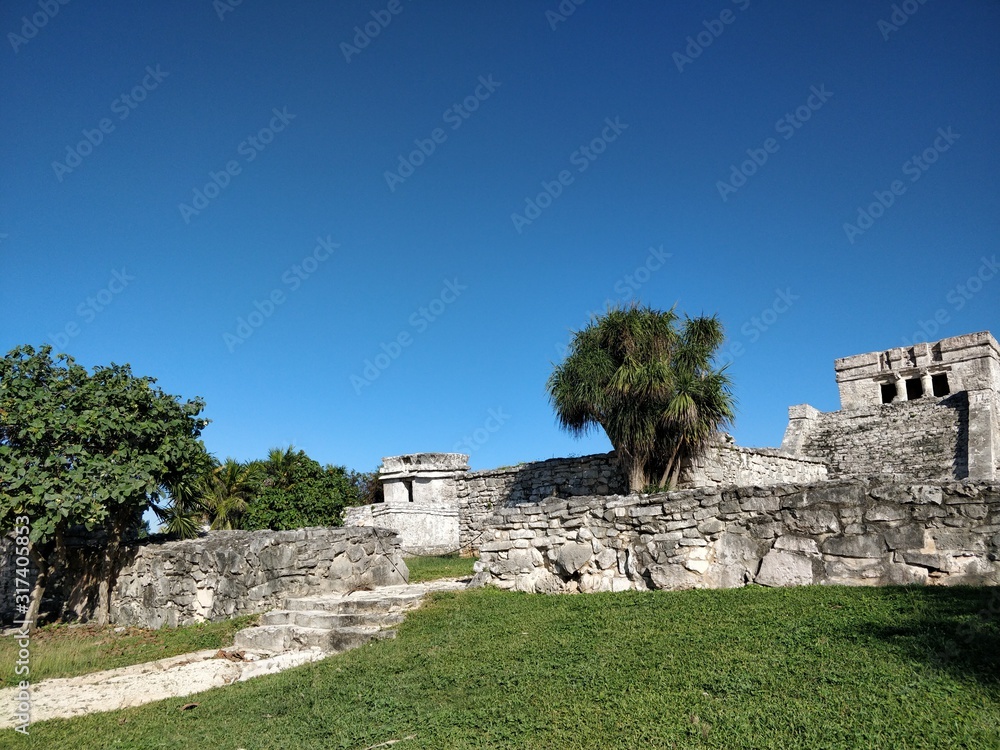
(222,574)
(228,573)
(924,439)
(727,463)
(848,532)
(481,492)
(422,529)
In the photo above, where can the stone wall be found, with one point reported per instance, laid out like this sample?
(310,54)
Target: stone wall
(847,532)
(226,573)
(422,529)
(481,492)
(727,463)
(229,573)
(920,440)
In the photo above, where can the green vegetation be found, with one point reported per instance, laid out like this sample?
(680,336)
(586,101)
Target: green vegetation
(813,667)
(93,450)
(67,651)
(295,491)
(648,381)
(442,566)
(288,490)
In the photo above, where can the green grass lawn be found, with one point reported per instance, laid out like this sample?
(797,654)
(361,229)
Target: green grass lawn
(63,651)
(813,667)
(443,566)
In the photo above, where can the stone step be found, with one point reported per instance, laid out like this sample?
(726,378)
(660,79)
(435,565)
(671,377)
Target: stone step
(318,618)
(352,604)
(336,622)
(278,639)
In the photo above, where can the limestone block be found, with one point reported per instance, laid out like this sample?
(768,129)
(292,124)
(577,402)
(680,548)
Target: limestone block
(782,568)
(852,570)
(927,560)
(887,513)
(571,557)
(672,577)
(607,558)
(810,521)
(867,546)
(711,526)
(697,566)
(797,544)
(955,539)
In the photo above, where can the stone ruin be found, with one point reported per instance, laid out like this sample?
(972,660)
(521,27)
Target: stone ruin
(930,411)
(898,486)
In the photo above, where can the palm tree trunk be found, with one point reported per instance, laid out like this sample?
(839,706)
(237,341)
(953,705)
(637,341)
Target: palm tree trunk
(675,475)
(670,469)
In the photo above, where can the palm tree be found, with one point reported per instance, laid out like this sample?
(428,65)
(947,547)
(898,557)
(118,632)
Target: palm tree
(227,492)
(279,467)
(648,381)
(181,516)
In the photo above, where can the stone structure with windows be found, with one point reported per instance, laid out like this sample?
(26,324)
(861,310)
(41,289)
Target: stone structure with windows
(929,411)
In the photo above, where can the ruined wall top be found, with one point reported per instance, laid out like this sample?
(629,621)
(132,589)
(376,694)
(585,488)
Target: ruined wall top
(420,463)
(969,362)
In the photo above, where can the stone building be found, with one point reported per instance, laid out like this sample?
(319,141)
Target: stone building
(421,502)
(929,411)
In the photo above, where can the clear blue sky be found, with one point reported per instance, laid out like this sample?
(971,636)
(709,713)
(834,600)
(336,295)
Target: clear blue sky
(117,244)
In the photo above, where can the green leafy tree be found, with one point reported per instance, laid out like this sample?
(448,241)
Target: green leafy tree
(295,491)
(369,487)
(92,450)
(647,379)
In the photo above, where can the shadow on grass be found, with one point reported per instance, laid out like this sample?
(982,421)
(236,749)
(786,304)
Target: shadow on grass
(952,629)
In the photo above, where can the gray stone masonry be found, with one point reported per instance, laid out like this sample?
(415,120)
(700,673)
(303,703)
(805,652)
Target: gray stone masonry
(922,439)
(229,573)
(930,411)
(847,532)
(725,463)
(480,493)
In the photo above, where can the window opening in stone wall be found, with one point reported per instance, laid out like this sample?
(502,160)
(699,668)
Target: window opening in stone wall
(408,485)
(888,392)
(940,385)
(914,389)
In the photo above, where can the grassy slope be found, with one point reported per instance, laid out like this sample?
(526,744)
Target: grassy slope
(816,667)
(443,566)
(61,651)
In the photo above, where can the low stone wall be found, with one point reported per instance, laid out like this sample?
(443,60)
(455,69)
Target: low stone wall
(850,532)
(481,492)
(229,573)
(728,464)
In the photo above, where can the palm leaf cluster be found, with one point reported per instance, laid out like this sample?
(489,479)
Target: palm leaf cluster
(288,489)
(647,379)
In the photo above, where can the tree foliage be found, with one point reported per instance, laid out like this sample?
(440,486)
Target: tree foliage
(93,450)
(294,491)
(647,378)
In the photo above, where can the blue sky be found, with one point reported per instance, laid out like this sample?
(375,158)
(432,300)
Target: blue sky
(367,228)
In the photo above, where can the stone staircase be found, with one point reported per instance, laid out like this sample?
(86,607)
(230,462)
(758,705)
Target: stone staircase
(333,623)
(306,630)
